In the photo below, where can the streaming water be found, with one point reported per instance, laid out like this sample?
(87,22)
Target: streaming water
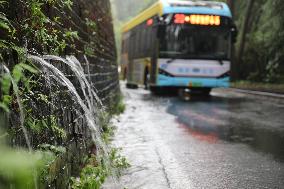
(90,110)
(88,69)
(90,92)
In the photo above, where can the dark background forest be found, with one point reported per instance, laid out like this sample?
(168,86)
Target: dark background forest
(259,50)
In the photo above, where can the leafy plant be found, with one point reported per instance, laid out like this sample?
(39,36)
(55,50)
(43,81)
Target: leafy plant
(71,35)
(4,23)
(118,161)
(118,107)
(92,24)
(91,177)
(57,150)
(272,72)
(89,50)
(16,76)
(94,174)
(39,125)
(68,3)
(98,168)
(18,168)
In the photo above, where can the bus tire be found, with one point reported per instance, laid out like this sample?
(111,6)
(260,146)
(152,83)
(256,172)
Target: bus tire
(131,86)
(156,90)
(206,91)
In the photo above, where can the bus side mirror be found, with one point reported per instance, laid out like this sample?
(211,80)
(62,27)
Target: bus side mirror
(234,32)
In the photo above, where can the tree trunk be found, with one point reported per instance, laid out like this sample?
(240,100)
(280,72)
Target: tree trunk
(243,33)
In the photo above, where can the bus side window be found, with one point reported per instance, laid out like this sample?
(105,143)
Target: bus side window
(137,41)
(132,45)
(143,43)
(127,45)
(148,40)
(123,46)
(140,41)
(137,46)
(151,40)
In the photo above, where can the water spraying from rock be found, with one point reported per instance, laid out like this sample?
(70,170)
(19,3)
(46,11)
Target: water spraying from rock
(90,109)
(90,92)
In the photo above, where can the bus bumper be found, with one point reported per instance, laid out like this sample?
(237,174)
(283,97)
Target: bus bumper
(166,81)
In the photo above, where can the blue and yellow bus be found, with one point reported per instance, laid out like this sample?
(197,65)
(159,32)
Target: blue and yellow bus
(179,44)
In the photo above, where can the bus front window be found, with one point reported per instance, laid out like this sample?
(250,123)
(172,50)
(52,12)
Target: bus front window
(195,42)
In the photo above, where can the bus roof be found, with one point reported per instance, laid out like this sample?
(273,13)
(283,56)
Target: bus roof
(162,7)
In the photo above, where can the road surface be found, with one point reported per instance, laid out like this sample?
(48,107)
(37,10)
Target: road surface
(226,141)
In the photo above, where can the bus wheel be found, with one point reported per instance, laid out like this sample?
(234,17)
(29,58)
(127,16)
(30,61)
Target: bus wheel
(156,90)
(206,91)
(131,86)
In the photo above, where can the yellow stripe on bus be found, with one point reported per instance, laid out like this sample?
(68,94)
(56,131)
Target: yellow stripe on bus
(156,9)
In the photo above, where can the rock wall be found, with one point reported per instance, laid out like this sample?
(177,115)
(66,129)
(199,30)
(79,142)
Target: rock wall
(82,28)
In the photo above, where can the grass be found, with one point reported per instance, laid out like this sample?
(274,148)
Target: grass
(118,107)
(95,172)
(97,169)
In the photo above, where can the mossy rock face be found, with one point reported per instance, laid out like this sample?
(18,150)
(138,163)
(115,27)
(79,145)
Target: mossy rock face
(52,115)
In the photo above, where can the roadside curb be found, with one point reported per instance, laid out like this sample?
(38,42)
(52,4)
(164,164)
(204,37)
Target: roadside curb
(260,95)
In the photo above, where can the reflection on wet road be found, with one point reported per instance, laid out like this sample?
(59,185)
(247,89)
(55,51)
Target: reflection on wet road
(258,124)
(225,141)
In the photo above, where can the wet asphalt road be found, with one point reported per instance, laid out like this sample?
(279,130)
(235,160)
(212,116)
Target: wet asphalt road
(225,141)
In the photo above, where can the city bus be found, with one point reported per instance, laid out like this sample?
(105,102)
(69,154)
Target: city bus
(179,44)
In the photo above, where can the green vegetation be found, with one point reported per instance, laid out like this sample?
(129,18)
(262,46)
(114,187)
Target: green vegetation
(94,174)
(14,78)
(259,50)
(91,177)
(21,170)
(98,168)
(118,107)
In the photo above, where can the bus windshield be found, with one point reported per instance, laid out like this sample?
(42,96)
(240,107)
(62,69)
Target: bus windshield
(180,41)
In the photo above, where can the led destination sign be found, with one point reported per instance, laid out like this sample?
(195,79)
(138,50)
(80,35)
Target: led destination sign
(197,19)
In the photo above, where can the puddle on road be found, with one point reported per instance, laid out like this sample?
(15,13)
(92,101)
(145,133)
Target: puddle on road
(232,120)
